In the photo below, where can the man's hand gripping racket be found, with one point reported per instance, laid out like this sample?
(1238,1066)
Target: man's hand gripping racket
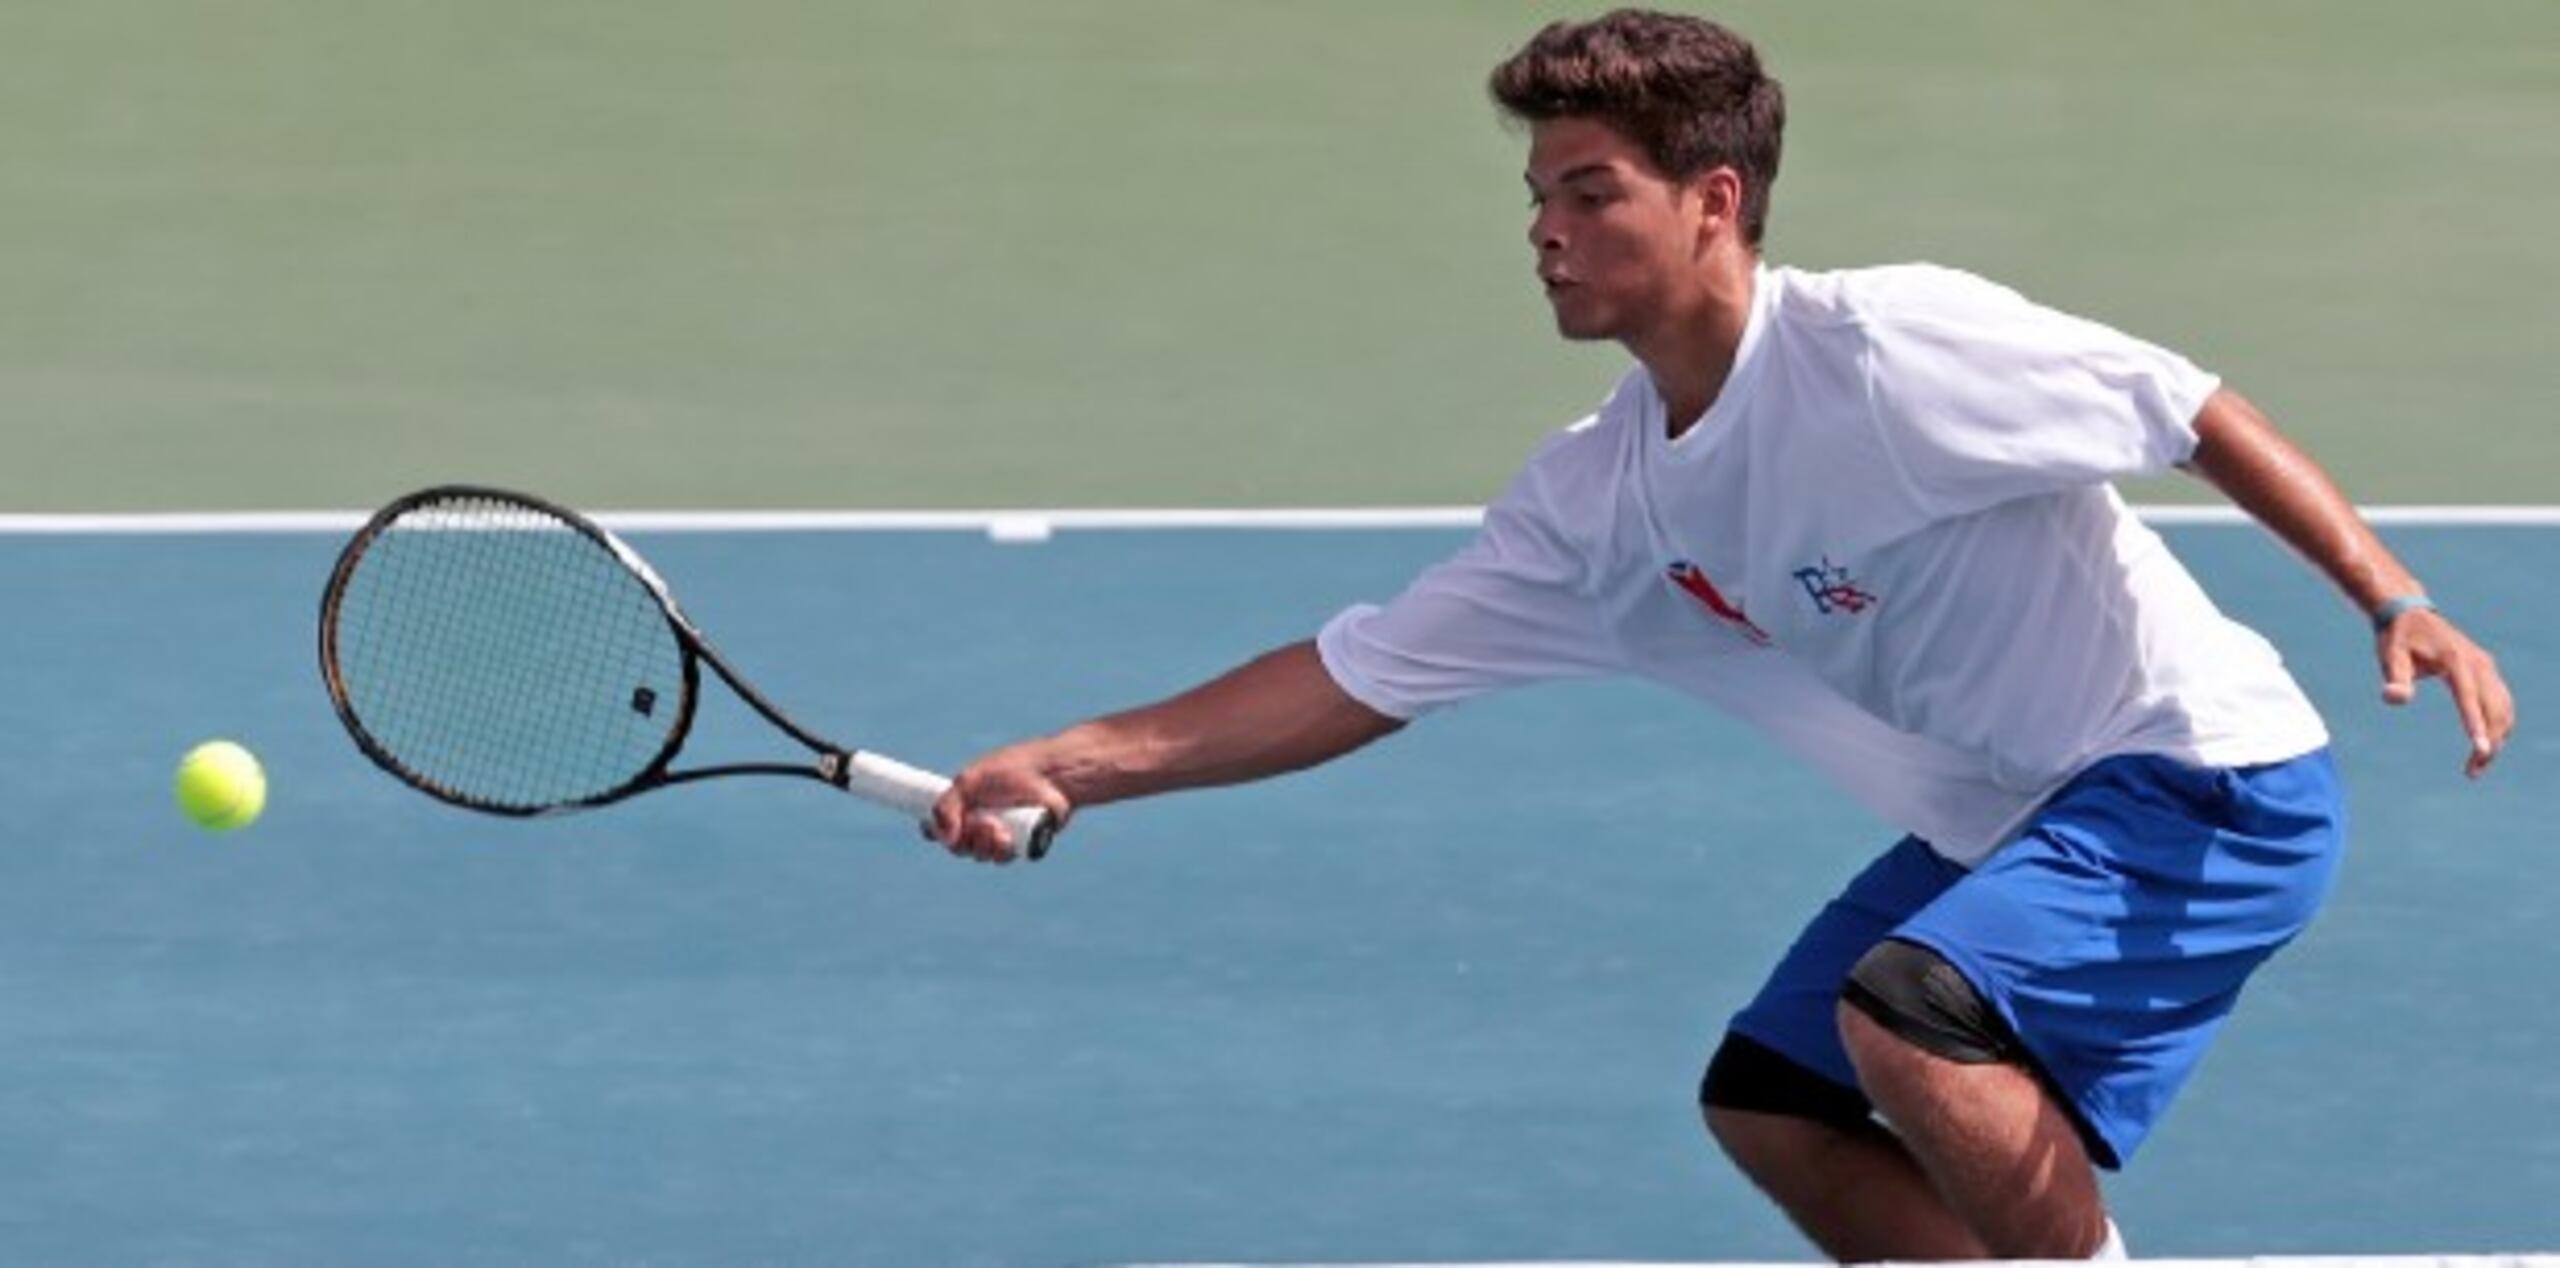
(1011,776)
(508,655)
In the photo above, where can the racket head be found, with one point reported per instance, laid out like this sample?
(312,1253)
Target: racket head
(503,653)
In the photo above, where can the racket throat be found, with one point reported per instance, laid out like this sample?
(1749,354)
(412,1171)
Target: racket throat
(836,767)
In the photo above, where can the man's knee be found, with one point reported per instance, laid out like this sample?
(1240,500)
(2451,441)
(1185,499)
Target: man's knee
(1757,1099)
(1786,1126)
(1914,994)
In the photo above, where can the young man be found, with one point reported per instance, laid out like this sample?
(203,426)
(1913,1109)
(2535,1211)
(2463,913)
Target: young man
(1868,511)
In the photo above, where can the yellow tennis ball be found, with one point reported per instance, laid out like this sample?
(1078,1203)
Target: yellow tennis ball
(220,786)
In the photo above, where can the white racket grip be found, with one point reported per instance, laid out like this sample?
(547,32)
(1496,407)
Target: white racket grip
(895,784)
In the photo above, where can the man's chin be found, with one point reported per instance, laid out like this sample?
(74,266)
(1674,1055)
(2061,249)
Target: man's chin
(1581,328)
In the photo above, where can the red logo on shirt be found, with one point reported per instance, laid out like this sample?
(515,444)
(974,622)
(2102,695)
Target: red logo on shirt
(1687,576)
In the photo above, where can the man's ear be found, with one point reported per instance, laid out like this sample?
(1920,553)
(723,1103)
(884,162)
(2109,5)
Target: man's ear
(1719,194)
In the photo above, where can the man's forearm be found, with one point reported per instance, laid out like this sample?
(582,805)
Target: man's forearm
(1280,712)
(2263,473)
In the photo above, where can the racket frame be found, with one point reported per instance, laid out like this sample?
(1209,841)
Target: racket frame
(835,764)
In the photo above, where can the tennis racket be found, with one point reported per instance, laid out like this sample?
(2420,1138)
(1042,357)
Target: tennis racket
(508,655)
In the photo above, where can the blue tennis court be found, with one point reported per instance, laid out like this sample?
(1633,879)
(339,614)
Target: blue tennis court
(1446,999)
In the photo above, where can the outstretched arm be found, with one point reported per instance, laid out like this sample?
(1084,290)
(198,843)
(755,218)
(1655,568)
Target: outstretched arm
(2241,453)
(1277,713)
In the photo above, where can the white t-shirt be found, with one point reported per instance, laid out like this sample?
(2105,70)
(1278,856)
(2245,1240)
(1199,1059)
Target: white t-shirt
(1890,545)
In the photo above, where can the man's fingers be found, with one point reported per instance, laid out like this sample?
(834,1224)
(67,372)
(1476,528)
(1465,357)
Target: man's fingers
(2490,715)
(976,817)
(2483,752)
(989,841)
(2502,709)
(1060,809)
(2412,649)
(2399,672)
(962,828)
(942,823)
(2463,680)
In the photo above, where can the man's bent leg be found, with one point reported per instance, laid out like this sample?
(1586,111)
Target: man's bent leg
(2005,1158)
(1858,1196)
(1810,1145)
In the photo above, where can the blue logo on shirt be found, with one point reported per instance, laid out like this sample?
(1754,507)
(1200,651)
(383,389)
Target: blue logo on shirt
(1831,589)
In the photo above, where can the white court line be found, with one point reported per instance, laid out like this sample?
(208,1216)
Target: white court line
(2238,1261)
(2513,1260)
(2251,1261)
(1299,518)
(1064,520)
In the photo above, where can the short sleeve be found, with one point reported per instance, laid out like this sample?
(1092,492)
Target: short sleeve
(1983,396)
(1510,608)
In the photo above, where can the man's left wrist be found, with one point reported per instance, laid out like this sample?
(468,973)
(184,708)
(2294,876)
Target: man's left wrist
(2392,609)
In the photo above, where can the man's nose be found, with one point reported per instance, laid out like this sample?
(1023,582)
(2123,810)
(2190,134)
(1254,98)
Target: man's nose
(1544,236)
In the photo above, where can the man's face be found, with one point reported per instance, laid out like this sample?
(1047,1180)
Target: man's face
(1617,241)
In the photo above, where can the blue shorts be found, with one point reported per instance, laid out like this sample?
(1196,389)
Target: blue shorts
(2113,935)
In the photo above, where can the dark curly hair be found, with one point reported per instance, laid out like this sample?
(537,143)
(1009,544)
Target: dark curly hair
(1688,92)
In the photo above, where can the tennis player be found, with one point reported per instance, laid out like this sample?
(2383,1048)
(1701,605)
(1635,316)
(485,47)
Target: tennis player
(1869,512)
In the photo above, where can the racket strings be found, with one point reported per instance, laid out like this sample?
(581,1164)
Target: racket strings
(551,731)
(506,658)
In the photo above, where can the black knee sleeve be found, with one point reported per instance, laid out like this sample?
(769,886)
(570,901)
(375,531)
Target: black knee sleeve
(1748,1075)
(1913,992)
